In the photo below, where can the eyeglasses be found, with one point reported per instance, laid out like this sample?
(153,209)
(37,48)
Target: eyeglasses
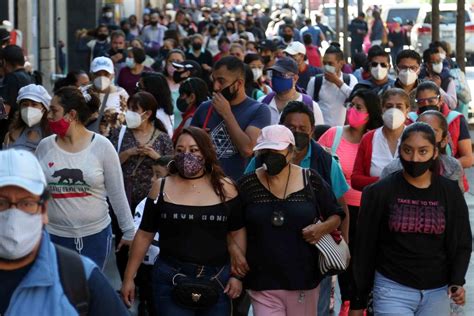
(28,206)
(375,64)
(431,100)
(412,68)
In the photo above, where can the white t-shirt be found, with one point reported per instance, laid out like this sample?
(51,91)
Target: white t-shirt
(154,249)
(381,154)
(167,121)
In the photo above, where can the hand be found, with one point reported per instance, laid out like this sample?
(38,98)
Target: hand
(206,67)
(233,288)
(356,312)
(123,243)
(147,150)
(313,233)
(128,292)
(117,57)
(332,77)
(239,264)
(390,44)
(459,296)
(132,151)
(220,104)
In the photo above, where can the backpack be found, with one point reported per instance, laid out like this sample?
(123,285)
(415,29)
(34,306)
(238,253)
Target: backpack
(318,82)
(73,279)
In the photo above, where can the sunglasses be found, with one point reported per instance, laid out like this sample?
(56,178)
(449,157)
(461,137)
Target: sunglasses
(432,100)
(375,64)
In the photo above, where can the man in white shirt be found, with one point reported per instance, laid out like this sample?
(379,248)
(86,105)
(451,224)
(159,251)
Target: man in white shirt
(333,88)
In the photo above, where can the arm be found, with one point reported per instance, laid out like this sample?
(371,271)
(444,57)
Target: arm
(449,95)
(237,246)
(464,152)
(360,177)
(310,87)
(318,115)
(344,227)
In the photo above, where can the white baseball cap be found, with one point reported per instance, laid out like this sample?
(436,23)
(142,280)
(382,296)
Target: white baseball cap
(35,93)
(295,48)
(102,63)
(21,168)
(276,137)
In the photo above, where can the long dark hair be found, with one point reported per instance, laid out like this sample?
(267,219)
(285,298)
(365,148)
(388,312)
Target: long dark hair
(71,98)
(443,124)
(147,102)
(372,103)
(195,86)
(156,84)
(211,166)
(250,84)
(18,123)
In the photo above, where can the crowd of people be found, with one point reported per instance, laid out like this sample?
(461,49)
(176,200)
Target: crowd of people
(216,155)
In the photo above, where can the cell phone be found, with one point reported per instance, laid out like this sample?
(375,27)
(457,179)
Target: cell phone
(3,111)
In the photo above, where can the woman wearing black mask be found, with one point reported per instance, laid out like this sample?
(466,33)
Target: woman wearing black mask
(414,240)
(174,56)
(199,53)
(194,209)
(282,201)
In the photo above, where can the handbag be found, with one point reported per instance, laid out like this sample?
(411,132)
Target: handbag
(334,255)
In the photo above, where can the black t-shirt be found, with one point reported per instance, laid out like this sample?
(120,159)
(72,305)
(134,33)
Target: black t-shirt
(10,279)
(278,256)
(195,234)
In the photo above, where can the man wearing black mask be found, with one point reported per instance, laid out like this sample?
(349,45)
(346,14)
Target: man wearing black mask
(99,46)
(117,50)
(232,118)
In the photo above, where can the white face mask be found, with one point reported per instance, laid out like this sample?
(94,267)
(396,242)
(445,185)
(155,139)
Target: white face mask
(130,62)
(133,119)
(19,233)
(393,118)
(257,73)
(407,76)
(379,73)
(442,55)
(31,116)
(329,68)
(437,68)
(102,83)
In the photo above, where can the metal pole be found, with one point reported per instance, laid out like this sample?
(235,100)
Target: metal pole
(460,35)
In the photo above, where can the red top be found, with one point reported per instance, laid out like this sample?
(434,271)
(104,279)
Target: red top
(361,173)
(314,59)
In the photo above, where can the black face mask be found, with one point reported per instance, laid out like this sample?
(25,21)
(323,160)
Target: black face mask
(301,140)
(164,52)
(182,105)
(231,30)
(154,23)
(177,77)
(416,168)
(273,163)
(229,96)
(287,37)
(428,108)
(266,59)
(102,36)
(197,46)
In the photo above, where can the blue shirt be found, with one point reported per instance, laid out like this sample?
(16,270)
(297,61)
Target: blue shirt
(338,181)
(315,32)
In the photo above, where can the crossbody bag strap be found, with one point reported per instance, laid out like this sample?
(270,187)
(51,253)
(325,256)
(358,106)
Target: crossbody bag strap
(156,133)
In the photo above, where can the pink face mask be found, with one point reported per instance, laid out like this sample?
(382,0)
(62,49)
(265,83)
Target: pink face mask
(355,118)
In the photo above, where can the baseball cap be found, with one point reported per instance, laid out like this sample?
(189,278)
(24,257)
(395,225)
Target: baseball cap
(21,168)
(285,65)
(295,48)
(35,93)
(267,45)
(102,63)
(276,137)
(4,35)
(189,65)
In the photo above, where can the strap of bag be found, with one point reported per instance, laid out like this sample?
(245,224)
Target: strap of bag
(208,116)
(452,116)
(120,137)
(269,97)
(318,82)
(308,101)
(96,124)
(156,133)
(337,139)
(73,279)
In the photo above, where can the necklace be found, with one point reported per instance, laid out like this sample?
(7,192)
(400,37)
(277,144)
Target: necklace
(286,186)
(278,216)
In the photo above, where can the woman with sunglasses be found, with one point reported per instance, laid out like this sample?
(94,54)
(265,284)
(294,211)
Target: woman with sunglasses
(414,239)
(282,203)
(194,210)
(428,97)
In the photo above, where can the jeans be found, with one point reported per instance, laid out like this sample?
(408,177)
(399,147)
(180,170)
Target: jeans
(163,272)
(392,298)
(96,247)
(324,295)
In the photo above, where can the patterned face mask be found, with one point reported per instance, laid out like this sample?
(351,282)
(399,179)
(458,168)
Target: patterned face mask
(188,164)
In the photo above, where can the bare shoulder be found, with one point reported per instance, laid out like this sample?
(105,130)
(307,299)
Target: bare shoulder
(230,188)
(156,186)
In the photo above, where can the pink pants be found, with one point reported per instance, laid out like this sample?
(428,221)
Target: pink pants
(285,303)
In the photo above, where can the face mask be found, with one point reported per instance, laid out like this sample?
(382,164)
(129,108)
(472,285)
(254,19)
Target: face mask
(102,83)
(266,59)
(355,118)
(257,73)
(19,233)
(416,168)
(280,85)
(59,127)
(31,116)
(188,164)
(287,37)
(227,94)
(102,36)
(379,73)
(301,140)
(130,62)
(428,108)
(133,119)
(329,68)
(407,76)
(197,46)
(437,68)
(393,118)
(230,29)
(154,23)
(273,163)
(442,55)
(182,105)
(109,15)
(177,77)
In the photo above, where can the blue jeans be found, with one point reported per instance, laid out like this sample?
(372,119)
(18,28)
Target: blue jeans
(392,298)
(163,272)
(96,247)
(324,296)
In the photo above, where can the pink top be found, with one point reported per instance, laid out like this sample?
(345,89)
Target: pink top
(346,152)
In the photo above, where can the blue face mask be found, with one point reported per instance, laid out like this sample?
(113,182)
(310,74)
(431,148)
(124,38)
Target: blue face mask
(280,84)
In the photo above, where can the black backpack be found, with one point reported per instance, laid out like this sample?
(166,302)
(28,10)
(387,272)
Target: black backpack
(73,279)
(318,82)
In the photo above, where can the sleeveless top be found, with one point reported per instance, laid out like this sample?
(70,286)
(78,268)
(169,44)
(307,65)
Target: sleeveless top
(23,142)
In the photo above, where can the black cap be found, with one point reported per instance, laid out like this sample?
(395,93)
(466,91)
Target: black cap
(285,65)
(189,65)
(4,35)
(267,44)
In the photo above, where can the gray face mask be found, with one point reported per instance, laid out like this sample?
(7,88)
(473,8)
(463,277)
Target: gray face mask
(19,233)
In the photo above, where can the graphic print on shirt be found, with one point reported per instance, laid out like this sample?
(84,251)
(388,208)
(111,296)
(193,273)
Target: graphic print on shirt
(70,184)
(417,216)
(222,141)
